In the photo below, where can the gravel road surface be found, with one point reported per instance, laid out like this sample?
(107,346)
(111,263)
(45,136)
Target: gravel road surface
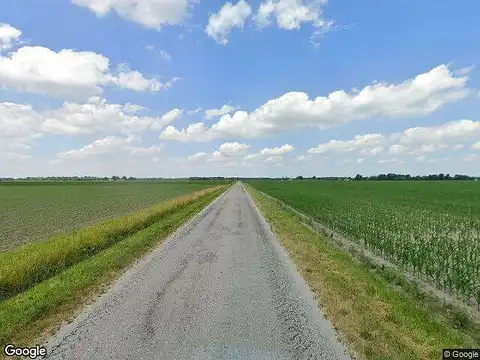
(221,287)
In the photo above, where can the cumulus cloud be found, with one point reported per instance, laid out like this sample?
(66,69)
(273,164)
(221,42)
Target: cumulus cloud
(229,16)
(149,13)
(235,153)
(198,156)
(233,148)
(96,115)
(360,142)
(225,109)
(281,150)
(415,141)
(19,125)
(476,146)
(448,132)
(419,96)
(398,149)
(270,155)
(68,73)
(194,132)
(291,14)
(8,36)
(112,145)
(168,118)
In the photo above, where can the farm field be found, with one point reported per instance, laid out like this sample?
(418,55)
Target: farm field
(431,228)
(31,211)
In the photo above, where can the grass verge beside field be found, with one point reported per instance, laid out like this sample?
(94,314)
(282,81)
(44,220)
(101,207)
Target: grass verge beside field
(376,320)
(32,263)
(33,314)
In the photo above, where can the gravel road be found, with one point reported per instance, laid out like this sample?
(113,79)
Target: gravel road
(221,287)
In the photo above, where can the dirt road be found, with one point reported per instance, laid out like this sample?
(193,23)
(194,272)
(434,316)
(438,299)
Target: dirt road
(220,288)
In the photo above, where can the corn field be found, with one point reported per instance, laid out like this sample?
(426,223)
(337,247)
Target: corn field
(426,227)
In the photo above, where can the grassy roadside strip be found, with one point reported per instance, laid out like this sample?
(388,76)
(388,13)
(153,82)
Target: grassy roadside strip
(376,320)
(33,314)
(23,267)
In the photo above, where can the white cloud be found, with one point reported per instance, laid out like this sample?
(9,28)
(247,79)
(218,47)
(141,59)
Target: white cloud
(229,16)
(284,149)
(398,149)
(360,142)
(413,141)
(225,109)
(8,36)
(134,80)
(19,125)
(106,146)
(427,149)
(419,96)
(195,111)
(476,146)
(168,118)
(372,151)
(450,131)
(112,145)
(252,156)
(149,13)
(291,14)
(97,116)
(233,148)
(68,73)
(198,156)
(194,132)
(458,147)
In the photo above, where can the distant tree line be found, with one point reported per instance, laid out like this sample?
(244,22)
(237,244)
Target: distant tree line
(105,178)
(358,177)
(391,176)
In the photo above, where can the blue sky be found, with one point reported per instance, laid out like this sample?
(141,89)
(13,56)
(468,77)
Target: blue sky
(297,87)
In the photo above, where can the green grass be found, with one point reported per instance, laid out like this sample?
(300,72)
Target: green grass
(25,266)
(378,321)
(32,211)
(430,228)
(36,312)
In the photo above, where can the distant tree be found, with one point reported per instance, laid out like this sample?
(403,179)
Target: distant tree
(124,178)
(358,177)
(115,178)
(299,178)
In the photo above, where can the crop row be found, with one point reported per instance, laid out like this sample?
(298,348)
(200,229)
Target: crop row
(432,237)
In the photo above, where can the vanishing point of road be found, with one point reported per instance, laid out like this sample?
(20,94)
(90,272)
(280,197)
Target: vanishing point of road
(221,287)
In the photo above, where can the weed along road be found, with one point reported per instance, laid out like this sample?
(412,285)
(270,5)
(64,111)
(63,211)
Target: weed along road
(221,287)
